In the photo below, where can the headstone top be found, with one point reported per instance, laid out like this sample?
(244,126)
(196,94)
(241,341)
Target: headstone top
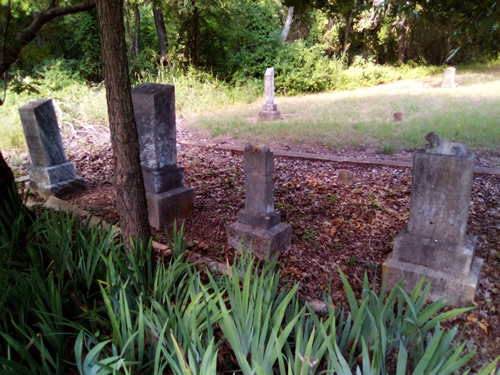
(444,147)
(35,103)
(449,77)
(269,86)
(153,89)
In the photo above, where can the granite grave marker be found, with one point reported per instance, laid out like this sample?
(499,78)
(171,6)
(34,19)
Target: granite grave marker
(434,242)
(259,224)
(167,196)
(50,173)
(269,109)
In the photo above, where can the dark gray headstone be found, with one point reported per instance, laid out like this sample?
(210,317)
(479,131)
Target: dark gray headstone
(50,173)
(168,198)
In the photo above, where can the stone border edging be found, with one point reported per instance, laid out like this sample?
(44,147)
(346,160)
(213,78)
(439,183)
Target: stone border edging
(369,162)
(58,204)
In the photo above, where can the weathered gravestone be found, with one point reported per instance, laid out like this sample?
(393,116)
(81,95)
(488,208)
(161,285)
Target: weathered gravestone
(269,109)
(449,78)
(434,242)
(50,173)
(167,196)
(259,225)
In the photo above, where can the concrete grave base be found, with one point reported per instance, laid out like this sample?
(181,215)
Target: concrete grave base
(173,204)
(55,180)
(163,179)
(270,115)
(458,290)
(262,242)
(440,255)
(264,221)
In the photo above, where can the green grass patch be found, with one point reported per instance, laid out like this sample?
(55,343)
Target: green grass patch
(348,119)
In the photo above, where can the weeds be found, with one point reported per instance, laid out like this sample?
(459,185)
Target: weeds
(71,299)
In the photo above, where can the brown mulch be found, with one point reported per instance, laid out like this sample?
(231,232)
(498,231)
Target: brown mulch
(334,225)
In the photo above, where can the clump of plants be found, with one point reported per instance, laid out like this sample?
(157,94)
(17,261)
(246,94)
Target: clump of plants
(73,300)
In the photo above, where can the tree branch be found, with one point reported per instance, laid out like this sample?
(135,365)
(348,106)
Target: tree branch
(11,53)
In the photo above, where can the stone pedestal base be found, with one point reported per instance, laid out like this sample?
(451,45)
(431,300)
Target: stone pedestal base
(458,290)
(264,243)
(440,255)
(173,204)
(163,179)
(264,221)
(56,180)
(270,115)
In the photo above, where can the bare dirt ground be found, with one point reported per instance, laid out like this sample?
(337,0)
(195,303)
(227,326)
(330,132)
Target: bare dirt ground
(334,225)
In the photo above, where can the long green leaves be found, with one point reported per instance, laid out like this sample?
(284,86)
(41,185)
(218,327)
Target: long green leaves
(74,300)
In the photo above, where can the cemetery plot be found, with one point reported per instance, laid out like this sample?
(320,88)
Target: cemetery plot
(334,224)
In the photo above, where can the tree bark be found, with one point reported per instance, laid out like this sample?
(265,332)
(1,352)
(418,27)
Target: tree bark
(137,30)
(130,193)
(6,180)
(161,31)
(347,32)
(288,23)
(402,40)
(15,45)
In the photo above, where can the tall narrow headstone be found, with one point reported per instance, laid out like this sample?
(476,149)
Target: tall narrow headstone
(259,225)
(434,242)
(167,196)
(50,173)
(449,78)
(269,109)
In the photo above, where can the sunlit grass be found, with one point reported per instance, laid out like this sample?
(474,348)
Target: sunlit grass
(344,119)
(469,114)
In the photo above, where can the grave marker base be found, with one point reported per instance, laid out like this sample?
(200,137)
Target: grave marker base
(264,243)
(459,290)
(270,115)
(56,180)
(168,206)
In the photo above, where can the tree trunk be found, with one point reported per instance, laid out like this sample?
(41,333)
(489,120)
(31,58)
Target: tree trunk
(195,31)
(288,23)
(161,31)
(402,40)
(137,31)
(347,32)
(11,205)
(130,193)
(6,180)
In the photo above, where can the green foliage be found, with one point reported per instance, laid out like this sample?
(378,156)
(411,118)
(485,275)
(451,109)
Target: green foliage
(257,41)
(81,43)
(90,306)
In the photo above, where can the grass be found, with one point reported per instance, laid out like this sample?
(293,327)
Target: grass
(364,117)
(361,117)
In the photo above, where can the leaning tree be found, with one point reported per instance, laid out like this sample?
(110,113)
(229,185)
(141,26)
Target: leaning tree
(131,200)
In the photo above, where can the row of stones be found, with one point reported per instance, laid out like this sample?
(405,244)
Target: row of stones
(434,243)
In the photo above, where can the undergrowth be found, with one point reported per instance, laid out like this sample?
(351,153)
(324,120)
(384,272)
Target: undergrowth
(72,299)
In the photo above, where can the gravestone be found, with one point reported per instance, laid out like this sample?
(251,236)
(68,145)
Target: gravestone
(167,196)
(345,177)
(259,225)
(434,242)
(449,78)
(269,109)
(50,173)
